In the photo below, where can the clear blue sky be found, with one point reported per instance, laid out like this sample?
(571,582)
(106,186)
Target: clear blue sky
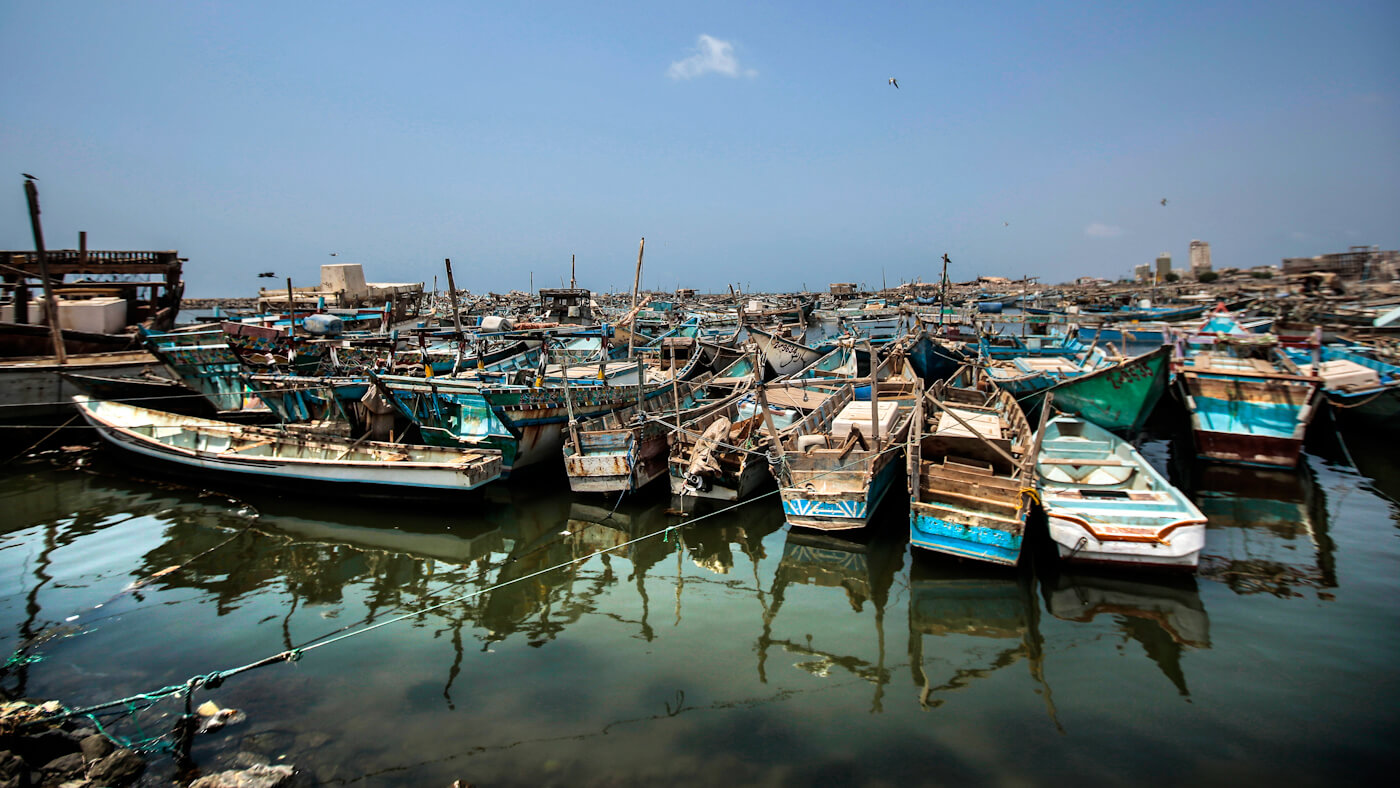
(1024,138)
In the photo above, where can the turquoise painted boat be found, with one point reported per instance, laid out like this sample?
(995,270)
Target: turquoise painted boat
(1027,377)
(1358,387)
(206,362)
(1106,504)
(1247,405)
(971,472)
(1119,397)
(526,423)
(840,460)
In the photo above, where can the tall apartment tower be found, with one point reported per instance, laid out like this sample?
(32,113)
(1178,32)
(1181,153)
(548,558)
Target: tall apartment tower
(1200,258)
(1164,266)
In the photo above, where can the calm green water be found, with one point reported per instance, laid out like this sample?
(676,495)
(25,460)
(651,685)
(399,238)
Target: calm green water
(734,652)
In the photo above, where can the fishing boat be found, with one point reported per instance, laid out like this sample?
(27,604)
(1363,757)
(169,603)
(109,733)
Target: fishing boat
(1105,504)
(723,454)
(1027,377)
(627,449)
(525,422)
(1247,403)
(271,456)
(784,356)
(1118,397)
(837,463)
(1358,386)
(971,462)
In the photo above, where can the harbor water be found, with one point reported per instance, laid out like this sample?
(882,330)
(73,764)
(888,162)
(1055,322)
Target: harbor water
(533,637)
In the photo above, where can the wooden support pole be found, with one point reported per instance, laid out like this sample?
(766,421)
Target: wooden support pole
(291,310)
(636,285)
(456,315)
(675,389)
(50,303)
(573,281)
(768,422)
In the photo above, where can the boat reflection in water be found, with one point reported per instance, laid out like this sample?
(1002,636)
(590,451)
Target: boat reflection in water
(954,609)
(1163,613)
(1267,531)
(862,564)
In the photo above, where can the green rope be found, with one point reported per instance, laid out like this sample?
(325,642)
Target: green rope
(20,658)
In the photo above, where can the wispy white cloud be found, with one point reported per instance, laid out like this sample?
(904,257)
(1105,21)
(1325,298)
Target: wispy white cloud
(711,56)
(1101,230)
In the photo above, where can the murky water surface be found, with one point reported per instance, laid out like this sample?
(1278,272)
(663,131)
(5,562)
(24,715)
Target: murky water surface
(563,646)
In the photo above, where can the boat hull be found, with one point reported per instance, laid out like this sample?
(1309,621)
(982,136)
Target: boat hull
(1258,421)
(34,388)
(1078,542)
(1119,398)
(733,486)
(840,510)
(1246,449)
(931,529)
(375,477)
(640,462)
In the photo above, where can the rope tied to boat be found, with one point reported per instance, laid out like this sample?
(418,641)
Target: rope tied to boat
(1033,494)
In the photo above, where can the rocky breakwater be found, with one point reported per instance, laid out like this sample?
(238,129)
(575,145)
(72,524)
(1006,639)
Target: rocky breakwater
(66,753)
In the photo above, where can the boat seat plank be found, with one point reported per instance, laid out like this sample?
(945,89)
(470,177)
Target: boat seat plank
(1082,461)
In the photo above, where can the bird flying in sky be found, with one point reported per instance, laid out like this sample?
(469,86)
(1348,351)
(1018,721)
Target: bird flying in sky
(893,82)
(267,275)
(1164,202)
(333,254)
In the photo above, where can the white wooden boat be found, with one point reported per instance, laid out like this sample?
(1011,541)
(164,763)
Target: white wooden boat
(1106,504)
(271,456)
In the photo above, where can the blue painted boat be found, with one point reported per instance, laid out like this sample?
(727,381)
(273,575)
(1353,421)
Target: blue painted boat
(838,462)
(971,467)
(1106,504)
(1247,403)
(1359,388)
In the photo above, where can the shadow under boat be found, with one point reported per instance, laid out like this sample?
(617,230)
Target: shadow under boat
(1162,613)
(961,607)
(863,565)
(1267,530)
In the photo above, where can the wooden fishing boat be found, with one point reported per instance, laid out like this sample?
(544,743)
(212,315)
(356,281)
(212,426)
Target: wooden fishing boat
(723,454)
(525,422)
(272,456)
(627,449)
(971,462)
(783,356)
(1105,504)
(1246,406)
(1357,386)
(838,462)
(1027,377)
(1118,397)
(35,388)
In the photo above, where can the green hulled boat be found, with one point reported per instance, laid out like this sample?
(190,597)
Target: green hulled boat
(1119,397)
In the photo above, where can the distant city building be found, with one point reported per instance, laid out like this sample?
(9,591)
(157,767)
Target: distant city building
(843,288)
(1359,264)
(1200,258)
(1143,273)
(1164,266)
